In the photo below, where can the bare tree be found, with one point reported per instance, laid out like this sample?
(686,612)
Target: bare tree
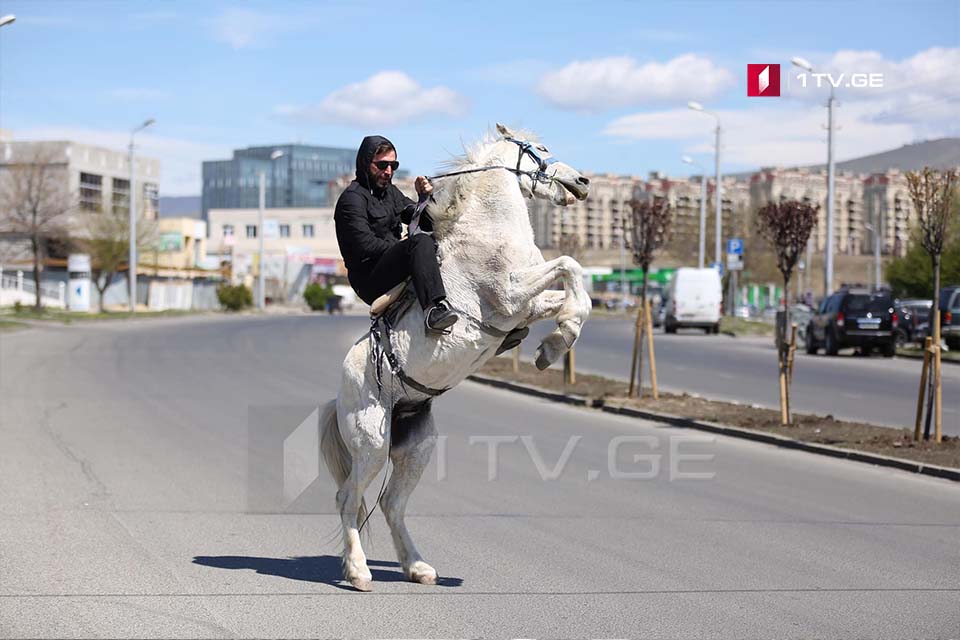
(34,200)
(934,196)
(107,240)
(786,225)
(650,232)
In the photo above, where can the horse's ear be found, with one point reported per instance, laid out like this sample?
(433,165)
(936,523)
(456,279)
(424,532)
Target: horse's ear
(504,131)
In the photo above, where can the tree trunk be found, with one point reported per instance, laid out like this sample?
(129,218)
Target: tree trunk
(35,243)
(636,370)
(936,397)
(783,349)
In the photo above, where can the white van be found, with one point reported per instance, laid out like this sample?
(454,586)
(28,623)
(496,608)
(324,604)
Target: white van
(693,299)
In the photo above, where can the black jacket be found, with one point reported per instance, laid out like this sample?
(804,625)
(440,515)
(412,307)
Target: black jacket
(368,220)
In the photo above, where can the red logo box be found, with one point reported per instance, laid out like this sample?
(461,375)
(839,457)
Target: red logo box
(763,80)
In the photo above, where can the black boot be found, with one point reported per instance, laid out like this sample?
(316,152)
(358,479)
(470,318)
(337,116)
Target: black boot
(440,317)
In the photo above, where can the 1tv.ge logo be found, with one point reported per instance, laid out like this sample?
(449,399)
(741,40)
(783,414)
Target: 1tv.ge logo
(763,80)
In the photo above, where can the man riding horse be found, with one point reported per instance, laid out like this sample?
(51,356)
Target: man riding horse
(368,217)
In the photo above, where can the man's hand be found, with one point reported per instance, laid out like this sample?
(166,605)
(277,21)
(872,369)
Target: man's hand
(423,186)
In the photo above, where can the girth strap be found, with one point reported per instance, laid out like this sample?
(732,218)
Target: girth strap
(380,335)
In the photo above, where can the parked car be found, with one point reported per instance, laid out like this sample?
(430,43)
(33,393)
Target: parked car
(694,299)
(854,318)
(950,316)
(913,316)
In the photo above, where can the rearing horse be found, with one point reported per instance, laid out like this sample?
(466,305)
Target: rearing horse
(497,279)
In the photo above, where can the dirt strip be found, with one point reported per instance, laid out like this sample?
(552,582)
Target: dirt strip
(824,430)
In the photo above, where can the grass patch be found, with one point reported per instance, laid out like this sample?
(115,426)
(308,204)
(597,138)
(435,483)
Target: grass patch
(743,327)
(10,325)
(66,317)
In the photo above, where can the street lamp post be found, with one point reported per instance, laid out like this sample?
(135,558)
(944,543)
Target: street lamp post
(261,293)
(696,106)
(7,19)
(828,261)
(703,209)
(132,207)
(875,230)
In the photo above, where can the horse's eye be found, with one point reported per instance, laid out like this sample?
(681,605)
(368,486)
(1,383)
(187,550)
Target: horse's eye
(540,147)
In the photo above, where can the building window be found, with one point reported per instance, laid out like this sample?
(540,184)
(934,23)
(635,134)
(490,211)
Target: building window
(251,231)
(121,196)
(227,230)
(308,231)
(91,192)
(151,200)
(284,231)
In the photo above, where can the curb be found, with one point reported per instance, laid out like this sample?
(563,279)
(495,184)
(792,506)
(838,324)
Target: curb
(914,356)
(946,473)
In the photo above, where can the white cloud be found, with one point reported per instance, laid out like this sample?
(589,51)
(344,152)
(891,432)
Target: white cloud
(138,95)
(605,83)
(384,99)
(932,75)
(918,101)
(180,160)
(242,28)
(787,135)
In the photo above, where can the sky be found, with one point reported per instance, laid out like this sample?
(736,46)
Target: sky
(603,84)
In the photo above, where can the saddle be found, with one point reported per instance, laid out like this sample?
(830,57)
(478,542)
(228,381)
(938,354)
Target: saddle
(394,303)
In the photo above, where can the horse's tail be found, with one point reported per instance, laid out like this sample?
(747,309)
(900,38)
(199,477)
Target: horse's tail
(336,456)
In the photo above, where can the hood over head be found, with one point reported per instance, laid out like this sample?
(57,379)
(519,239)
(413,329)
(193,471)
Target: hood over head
(365,156)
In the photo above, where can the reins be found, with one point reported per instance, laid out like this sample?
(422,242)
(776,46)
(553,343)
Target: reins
(525,148)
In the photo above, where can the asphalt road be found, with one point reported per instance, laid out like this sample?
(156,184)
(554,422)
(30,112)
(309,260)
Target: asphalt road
(875,389)
(140,460)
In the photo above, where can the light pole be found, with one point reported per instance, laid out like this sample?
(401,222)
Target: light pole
(875,230)
(696,106)
(828,262)
(703,209)
(132,202)
(261,293)
(7,19)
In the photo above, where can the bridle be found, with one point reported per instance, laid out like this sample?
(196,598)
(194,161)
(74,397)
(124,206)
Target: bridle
(537,176)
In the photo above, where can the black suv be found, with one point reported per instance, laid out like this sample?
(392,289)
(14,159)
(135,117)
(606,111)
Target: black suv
(950,316)
(854,318)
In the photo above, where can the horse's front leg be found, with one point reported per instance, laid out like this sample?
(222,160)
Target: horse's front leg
(526,287)
(416,437)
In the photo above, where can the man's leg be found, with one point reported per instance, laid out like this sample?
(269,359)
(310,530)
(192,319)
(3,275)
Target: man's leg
(425,270)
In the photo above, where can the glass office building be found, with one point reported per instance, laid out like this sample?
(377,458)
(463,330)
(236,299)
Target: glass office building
(301,177)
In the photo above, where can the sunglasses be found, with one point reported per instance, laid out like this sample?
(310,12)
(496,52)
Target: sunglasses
(383,164)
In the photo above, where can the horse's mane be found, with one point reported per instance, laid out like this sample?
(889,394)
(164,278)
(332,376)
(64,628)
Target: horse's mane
(478,153)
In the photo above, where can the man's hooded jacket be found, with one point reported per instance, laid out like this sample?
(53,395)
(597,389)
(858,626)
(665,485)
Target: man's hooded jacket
(368,219)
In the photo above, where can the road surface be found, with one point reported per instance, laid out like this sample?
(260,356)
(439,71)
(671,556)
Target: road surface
(135,500)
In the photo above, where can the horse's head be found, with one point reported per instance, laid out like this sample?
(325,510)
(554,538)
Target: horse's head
(539,173)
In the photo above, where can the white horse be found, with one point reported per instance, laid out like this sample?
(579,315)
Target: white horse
(497,279)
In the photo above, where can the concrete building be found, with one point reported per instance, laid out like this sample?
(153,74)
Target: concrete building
(300,178)
(181,246)
(887,200)
(298,244)
(857,199)
(94,179)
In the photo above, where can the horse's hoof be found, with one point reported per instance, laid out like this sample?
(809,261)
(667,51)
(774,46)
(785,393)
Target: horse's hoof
(422,573)
(542,360)
(362,584)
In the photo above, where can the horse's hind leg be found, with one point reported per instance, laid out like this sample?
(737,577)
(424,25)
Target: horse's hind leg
(415,437)
(363,426)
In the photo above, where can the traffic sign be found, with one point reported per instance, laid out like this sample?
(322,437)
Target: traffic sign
(718,266)
(735,246)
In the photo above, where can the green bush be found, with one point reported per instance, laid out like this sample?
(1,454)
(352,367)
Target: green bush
(912,275)
(316,296)
(234,298)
